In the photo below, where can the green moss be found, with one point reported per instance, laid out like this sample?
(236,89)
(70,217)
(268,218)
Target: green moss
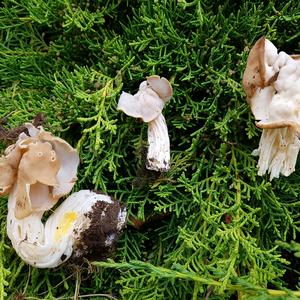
(218,221)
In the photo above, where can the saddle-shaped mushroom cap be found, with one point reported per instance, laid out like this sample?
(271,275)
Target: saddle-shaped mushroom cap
(272,84)
(148,104)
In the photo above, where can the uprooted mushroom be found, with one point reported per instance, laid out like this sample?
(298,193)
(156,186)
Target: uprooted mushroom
(36,172)
(272,83)
(148,104)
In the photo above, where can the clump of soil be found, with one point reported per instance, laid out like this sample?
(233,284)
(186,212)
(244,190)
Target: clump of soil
(11,135)
(98,241)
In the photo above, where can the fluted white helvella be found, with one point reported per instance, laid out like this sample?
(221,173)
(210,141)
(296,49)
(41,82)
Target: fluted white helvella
(272,83)
(36,172)
(147,104)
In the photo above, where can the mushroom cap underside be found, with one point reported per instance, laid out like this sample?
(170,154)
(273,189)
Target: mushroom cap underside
(149,101)
(145,105)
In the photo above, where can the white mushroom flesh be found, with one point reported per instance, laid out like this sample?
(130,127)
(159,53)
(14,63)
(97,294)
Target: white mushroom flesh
(275,104)
(158,156)
(278,150)
(148,104)
(50,244)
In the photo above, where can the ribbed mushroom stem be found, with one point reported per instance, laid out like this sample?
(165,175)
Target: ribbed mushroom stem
(278,150)
(158,157)
(47,246)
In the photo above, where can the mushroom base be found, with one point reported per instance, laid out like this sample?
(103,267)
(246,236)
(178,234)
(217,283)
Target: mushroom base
(98,241)
(278,150)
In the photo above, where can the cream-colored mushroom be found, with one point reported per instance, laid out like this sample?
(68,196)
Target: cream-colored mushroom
(7,177)
(148,104)
(39,163)
(272,84)
(50,244)
(40,168)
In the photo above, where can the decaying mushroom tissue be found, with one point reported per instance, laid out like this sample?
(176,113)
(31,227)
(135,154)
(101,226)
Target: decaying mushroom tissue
(36,172)
(148,104)
(272,84)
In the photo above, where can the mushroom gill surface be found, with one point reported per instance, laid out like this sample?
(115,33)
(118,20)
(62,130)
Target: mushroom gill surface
(272,84)
(148,104)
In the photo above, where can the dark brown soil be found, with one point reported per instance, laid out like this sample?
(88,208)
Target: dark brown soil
(144,177)
(39,120)
(99,240)
(11,135)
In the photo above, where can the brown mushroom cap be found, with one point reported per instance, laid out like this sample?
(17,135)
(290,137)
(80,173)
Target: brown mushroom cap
(36,173)
(23,205)
(39,164)
(32,197)
(13,155)
(7,177)
(254,75)
(161,86)
(295,56)
(38,169)
(69,161)
(259,72)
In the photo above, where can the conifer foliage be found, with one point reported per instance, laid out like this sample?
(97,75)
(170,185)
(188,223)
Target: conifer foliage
(210,228)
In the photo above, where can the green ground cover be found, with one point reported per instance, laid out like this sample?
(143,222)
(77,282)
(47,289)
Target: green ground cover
(213,229)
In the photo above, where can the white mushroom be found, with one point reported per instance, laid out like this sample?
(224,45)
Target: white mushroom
(148,104)
(36,171)
(66,232)
(272,84)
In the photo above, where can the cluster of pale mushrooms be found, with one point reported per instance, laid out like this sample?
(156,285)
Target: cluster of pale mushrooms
(39,168)
(272,84)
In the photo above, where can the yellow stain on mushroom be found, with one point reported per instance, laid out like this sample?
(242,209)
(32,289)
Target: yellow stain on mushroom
(64,225)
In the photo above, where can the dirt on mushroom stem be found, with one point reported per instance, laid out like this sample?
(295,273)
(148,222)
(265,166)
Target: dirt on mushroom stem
(98,241)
